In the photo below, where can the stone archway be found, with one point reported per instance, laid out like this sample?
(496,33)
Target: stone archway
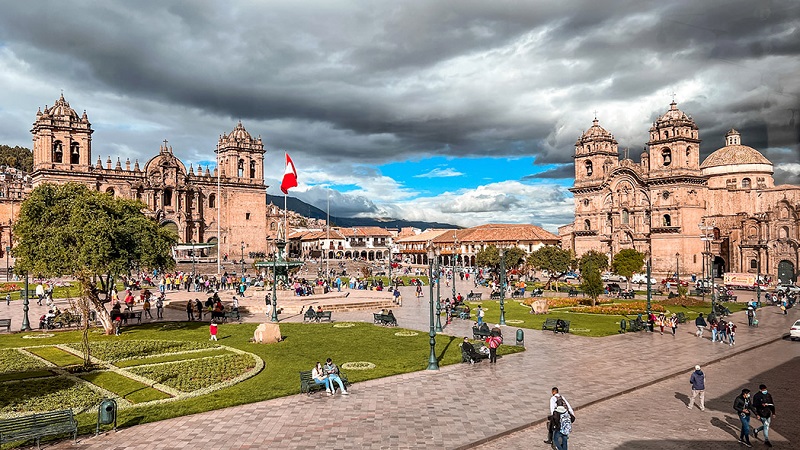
(719,267)
(786,272)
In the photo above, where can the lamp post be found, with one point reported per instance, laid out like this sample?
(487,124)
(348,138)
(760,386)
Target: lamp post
(649,282)
(758,278)
(433,364)
(242,257)
(502,286)
(706,236)
(453,263)
(26,323)
(274,317)
(8,270)
(193,270)
(438,294)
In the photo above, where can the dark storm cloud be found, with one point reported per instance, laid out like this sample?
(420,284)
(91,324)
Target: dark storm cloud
(560,172)
(386,81)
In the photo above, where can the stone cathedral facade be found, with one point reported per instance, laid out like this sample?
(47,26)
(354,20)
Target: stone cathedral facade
(187,200)
(657,204)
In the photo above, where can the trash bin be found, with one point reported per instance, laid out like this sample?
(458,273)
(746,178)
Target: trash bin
(106,414)
(520,337)
(622,326)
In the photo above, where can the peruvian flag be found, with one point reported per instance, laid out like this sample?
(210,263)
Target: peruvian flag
(289,176)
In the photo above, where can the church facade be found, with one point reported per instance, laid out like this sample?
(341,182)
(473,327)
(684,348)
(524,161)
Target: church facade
(226,208)
(722,215)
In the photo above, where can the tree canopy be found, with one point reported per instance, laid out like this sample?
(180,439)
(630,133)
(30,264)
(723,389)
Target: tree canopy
(627,262)
(555,260)
(598,259)
(17,157)
(591,282)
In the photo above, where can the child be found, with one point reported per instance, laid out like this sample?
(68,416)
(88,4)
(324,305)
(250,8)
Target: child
(213,329)
(118,325)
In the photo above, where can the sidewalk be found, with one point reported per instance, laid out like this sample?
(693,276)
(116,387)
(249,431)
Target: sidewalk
(459,405)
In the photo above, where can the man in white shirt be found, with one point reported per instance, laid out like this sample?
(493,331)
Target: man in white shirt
(554,402)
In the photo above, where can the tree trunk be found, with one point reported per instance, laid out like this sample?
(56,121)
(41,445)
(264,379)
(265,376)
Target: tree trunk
(91,294)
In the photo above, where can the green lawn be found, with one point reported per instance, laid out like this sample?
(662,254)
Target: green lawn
(56,356)
(24,375)
(304,345)
(129,389)
(170,358)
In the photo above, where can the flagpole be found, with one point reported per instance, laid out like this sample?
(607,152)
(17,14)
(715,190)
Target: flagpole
(328,236)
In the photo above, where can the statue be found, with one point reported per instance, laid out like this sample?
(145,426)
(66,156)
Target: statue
(281,232)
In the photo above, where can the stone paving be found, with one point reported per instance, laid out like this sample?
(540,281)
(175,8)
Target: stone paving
(456,407)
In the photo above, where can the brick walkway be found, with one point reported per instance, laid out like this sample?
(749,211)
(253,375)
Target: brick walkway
(455,407)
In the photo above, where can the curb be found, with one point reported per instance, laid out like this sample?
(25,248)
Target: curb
(539,421)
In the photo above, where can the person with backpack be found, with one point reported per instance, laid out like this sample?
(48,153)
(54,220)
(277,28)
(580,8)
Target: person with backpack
(493,341)
(698,382)
(765,410)
(562,427)
(556,400)
(742,406)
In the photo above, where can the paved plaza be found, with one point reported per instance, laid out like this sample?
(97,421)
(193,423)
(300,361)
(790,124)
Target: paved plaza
(498,406)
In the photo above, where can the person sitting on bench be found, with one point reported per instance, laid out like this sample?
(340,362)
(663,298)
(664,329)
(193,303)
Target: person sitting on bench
(469,349)
(561,326)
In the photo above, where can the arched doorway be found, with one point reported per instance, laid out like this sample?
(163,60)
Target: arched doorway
(786,273)
(171,226)
(718,267)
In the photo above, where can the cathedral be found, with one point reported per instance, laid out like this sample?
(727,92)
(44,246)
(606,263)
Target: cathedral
(722,215)
(203,207)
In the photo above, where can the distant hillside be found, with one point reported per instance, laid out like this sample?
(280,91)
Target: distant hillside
(303,208)
(17,157)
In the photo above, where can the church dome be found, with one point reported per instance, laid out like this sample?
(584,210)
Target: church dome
(61,109)
(239,133)
(595,133)
(674,117)
(734,153)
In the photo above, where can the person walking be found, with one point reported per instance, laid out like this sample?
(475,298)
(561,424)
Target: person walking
(698,382)
(494,341)
(731,333)
(556,400)
(190,310)
(562,427)
(8,299)
(199,305)
(673,323)
(146,308)
(160,307)
(765,410)
(212,328)
(700,323)
(480,315)
(742,406)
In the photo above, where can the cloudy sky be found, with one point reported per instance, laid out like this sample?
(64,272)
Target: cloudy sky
(457,111)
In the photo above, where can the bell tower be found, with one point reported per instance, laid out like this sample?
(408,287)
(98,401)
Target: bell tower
(674,143)
(241,157)
(62,140)
(596,155)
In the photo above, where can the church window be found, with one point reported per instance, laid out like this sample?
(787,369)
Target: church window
(667,220)
(666,134)
(139,194)
(167,197)
(587,225)
(589,169)
(745,183)
(273,226)
(717,234)
(753,264)
(241,168)
(74,153)
(110,191)
(252,169)
(58,152)
(665,195)
(625,216)
(694,258)
(784,233)
(212,201)
(246,216)
(586,202)
(666,154)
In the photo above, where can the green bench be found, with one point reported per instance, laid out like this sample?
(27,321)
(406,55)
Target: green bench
(37,426)
(384,319)
(308,386)
(478,346)
(557,325)
(5,323)
(477,333)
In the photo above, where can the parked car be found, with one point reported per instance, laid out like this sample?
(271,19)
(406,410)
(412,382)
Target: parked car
(794,332)
(613,288)
(673,281)
(640,278)
(613,277)
(788,288)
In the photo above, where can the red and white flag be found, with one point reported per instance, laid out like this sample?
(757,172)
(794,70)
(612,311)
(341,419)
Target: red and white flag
(289,176)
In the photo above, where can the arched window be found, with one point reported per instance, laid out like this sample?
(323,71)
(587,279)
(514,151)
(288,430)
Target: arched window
(587,225)
(666,134)
(58,152)
(667,220)
(252,169)
(589,169)
(688,155)
(139,193)
(666,154)
(110,191)
(74,153)
(745,183)
(273,226)
(625,216)
(241,168)
(784,233)
(753,264)
(212,201)
(167,201)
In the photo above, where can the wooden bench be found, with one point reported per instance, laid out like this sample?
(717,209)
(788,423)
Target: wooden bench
(478,346)
(572,293)
(385,319)
(5,323)
(324,315)
(128,315)
(557,325)
(477,333)
(474,296)
(308,385)
(37,426)
(233,314)
(518,294)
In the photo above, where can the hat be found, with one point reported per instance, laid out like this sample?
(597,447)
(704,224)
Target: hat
(560,409)
(697,367)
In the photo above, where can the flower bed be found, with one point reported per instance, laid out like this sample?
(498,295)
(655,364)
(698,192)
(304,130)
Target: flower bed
(45,394)
(9,287)
(358,365)
(627,308)
(119,350)
(191,375)
(565,302)
(13,360)
(683,301)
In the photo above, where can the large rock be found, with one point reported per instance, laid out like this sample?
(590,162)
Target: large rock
(539,306)
(267,333)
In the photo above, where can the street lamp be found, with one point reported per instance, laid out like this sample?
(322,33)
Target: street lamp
(26,323)
(706,236)
(193,271)
(502,286)
(433,364)
(649,282)
(242,257)
(438,294)
(677,271)
(758,278)
(453,263)
(274,317)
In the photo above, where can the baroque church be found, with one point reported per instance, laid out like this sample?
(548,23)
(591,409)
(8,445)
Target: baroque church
(200,206)
(722,215)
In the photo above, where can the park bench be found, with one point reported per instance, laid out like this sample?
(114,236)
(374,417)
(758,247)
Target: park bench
(727,298)
(478,346)
(557,325)
(627,294)
(518,294)
(308,386)
(386,319)
(494,296)
(681,317)
(310,315)
(230,315)
(477,333)
(5,323)
(537,293)
(474,295)
(37,426)
(636,325)
(128,315)
(324,315)
(31,294)
(572,293)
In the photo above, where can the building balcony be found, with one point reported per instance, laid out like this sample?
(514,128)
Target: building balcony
(665,229)
(585,232)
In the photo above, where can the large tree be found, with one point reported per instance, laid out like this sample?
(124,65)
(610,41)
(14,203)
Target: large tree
(555,260)
(92,236)
(17,157)
(627,262)
(598,259)
(591,283)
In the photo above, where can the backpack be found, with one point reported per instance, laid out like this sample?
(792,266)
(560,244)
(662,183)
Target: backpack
(565,424)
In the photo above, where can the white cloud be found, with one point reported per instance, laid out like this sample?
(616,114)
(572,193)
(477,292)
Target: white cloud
(440,173)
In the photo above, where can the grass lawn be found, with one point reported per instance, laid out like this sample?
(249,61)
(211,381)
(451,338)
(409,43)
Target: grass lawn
(129,389)
(304,344)
(24,375)
(170,358)
(56,356)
